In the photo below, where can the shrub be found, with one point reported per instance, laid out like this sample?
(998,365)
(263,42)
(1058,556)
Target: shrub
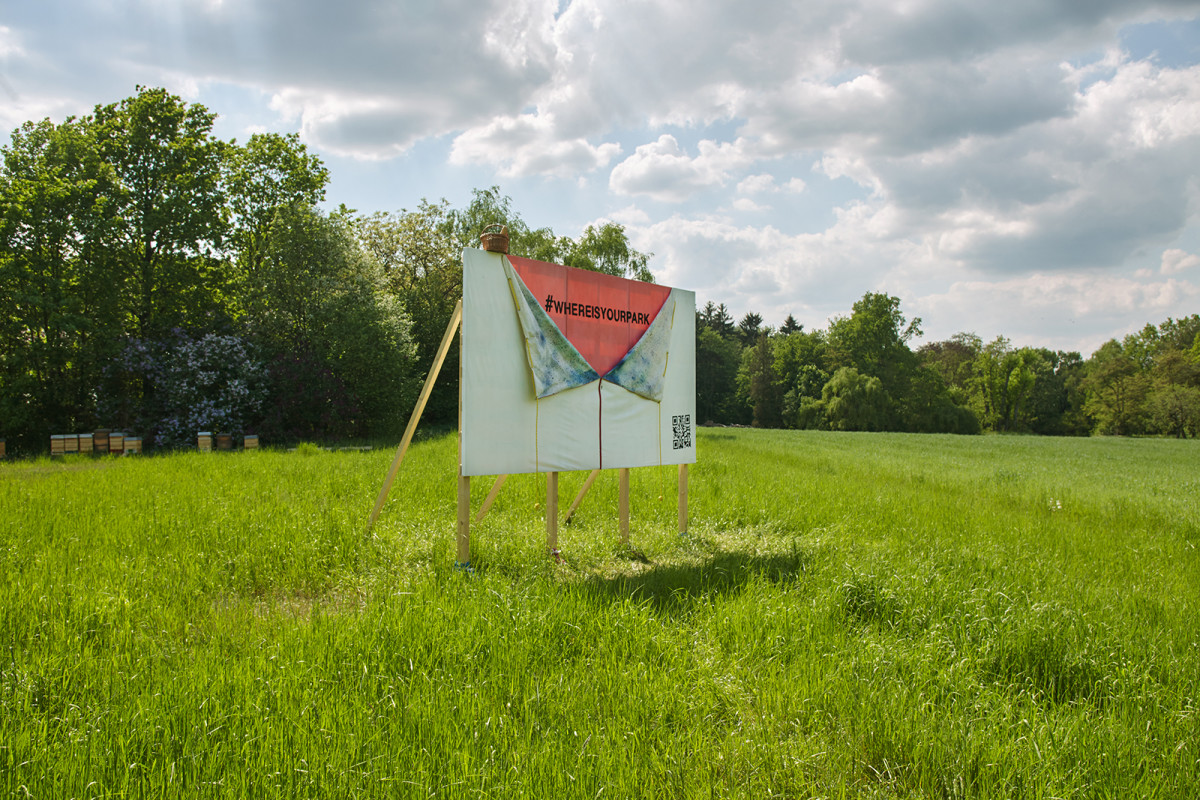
(168,390)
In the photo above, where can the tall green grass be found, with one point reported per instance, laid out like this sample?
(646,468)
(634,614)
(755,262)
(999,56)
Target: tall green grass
(851,615)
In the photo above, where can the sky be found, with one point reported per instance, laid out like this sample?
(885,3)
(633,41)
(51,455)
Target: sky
(1029,169)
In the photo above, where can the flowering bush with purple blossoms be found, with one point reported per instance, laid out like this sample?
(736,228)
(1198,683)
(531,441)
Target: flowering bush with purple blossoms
(173,388)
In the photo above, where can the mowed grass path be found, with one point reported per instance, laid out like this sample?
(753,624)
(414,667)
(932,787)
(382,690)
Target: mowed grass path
(852,615)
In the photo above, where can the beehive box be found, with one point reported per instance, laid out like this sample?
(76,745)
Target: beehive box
(204,441)
(100,440)
(58,444)
(85,443)
(116,442)
(70,443)
(133,444)
(1,448)
(224,441)
(249,441)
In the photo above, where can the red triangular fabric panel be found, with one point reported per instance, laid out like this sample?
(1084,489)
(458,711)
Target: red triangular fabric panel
(601,315)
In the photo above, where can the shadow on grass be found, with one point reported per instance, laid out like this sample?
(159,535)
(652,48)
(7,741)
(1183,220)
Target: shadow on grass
(678,587)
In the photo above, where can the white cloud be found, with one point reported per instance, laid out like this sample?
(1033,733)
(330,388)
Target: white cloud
(529,145)
(662,169)
(1175,261)
(366,79)
(362,126)
(10,43)
(746,204)
(672,63)
(1064,311)
(1141,107)
(846,163)
(757,184)
(1088,190)
(766,270)
(630,216)
(762,184)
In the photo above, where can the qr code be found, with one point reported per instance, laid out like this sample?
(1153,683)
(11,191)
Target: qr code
(681,426)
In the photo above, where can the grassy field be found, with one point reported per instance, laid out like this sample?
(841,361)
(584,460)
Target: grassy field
(851,615)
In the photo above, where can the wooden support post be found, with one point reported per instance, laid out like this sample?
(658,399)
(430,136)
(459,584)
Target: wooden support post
(683,497)
(463,557)
(583,490)
(443,349)
(491,498)
(552,512)
(623,503)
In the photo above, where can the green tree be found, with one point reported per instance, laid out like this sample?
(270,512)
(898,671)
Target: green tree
(320,296)
(1142,347)
(1173,405)
(874,340)
(1174,410)
(953,359)
(422,268)
(167,168)
(1176,366)
(271,171)
(1117,389)
(717,362)
(717,319)
(1180,334)
(799,370)
(59,305)
(855,402)
(491,207)
(929,407)
(1005,383)
(418,254)
(1151,344)
(802,402)
(797,350)
(1056,402)
(874,336)
(758,385)
(750,329)
(606,249)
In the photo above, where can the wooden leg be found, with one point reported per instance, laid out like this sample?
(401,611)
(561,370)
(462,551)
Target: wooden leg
(552,512)
(464,519)
(623,503)
(583,490)
(491,498)
(683,498)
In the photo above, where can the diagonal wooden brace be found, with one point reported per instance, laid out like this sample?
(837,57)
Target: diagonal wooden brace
(426,390)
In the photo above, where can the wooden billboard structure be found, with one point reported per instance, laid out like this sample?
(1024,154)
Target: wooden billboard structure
(563,369)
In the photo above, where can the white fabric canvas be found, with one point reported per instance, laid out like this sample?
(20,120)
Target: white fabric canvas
(506,429)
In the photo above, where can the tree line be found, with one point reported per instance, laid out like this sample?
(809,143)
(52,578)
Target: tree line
(862,374)
(156,279)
